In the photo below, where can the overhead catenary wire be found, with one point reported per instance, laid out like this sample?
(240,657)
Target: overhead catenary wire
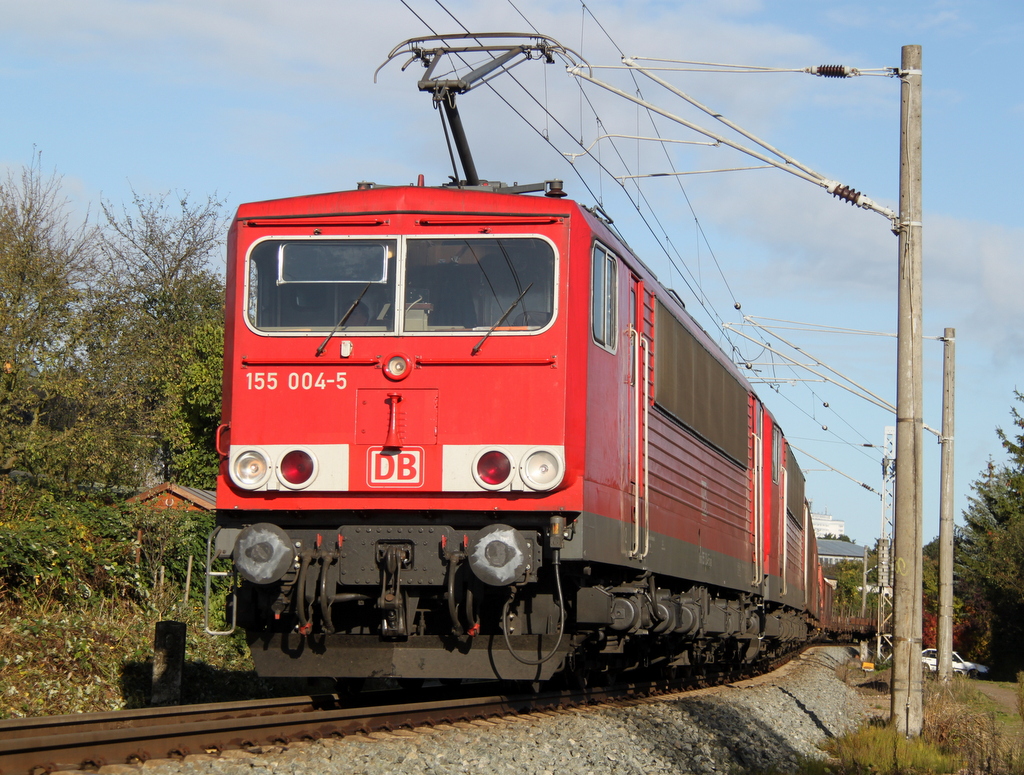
(694,66)
(827,70)
(820,328)
(843,381)
(691,172)
(783,161)
(838,190)
(839,378)
(694,287)
(638,198)
(700,229)
(608,136)
(833,468)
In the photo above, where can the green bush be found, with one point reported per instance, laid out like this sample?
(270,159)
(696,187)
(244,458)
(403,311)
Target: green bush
(83,581)
(63,547)
(69,545)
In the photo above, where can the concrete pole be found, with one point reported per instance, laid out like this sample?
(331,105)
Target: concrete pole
(945,635)
(864,585)
(906,704)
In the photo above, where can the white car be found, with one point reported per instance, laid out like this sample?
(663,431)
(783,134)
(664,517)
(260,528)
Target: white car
(930,658)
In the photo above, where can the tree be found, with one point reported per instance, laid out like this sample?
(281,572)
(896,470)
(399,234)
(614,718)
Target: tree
(46,268)
(970,611)
(99,327)
(848,575)
(195,398)
(991,548)
(160,293)
(834,537)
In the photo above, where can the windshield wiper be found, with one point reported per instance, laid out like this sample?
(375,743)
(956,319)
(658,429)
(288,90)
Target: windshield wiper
(501,320)
(348,312)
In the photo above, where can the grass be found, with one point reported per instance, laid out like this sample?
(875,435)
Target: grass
(1019,689)
(96,655)
(964,732)
(1007,720)
(880,749)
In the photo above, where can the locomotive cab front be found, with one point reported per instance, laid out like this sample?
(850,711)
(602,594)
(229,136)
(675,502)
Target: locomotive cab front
(397,452)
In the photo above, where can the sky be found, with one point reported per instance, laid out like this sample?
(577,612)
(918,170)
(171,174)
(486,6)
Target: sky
(261,99)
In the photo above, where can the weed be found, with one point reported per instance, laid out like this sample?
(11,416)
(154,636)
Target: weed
(96,655)
(1020,695)
(882,750)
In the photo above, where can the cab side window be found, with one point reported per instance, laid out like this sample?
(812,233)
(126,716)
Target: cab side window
(605,296)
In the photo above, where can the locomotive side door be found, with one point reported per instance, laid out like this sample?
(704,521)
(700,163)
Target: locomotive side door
(757,495)
(640,352)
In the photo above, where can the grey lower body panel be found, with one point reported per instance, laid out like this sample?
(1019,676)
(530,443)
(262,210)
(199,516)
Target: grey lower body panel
(792,597)
(368,656)
(598,539)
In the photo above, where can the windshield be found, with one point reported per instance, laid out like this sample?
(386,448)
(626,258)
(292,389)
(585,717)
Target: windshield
(469,284)
(451,285)
(309,285)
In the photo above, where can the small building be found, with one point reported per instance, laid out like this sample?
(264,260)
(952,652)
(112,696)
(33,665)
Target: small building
(175,496)
(830,551)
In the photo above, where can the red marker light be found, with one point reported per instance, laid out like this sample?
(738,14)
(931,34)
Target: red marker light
(493,467)
(297,467)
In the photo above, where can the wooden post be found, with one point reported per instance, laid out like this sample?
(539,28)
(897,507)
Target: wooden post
(168,663)
(188,578)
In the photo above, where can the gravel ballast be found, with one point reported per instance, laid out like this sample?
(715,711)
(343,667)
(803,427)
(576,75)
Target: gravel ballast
(768,723)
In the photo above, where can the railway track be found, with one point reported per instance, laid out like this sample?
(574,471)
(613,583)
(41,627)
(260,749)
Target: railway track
(46,744)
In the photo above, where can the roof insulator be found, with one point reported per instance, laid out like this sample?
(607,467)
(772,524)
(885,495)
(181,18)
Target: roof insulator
(554,189)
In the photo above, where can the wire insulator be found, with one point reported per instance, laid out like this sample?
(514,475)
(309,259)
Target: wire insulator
(833,71)
(851,195)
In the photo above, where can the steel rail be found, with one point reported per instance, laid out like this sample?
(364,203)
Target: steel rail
(31,746)
(95,739)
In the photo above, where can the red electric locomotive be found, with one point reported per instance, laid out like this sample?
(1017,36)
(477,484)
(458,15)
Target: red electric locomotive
(467,434)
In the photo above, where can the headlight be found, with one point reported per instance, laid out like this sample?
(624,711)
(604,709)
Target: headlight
(263,553)
(541,469)
(396,367)
(250,469)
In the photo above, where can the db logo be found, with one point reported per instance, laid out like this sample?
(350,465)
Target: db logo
(395,467)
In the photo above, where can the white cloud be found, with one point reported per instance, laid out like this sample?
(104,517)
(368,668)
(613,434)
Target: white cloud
(808,244)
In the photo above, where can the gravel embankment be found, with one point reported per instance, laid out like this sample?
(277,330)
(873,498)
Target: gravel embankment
(758,725)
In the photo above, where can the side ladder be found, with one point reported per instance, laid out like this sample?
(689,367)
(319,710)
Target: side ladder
(214,555)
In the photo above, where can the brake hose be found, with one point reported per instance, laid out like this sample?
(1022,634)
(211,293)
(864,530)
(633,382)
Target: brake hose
(505,621)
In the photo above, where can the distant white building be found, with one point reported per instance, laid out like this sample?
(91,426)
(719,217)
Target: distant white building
(825,525)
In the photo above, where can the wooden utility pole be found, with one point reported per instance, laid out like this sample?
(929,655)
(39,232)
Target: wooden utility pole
(945,636)
(906,708)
